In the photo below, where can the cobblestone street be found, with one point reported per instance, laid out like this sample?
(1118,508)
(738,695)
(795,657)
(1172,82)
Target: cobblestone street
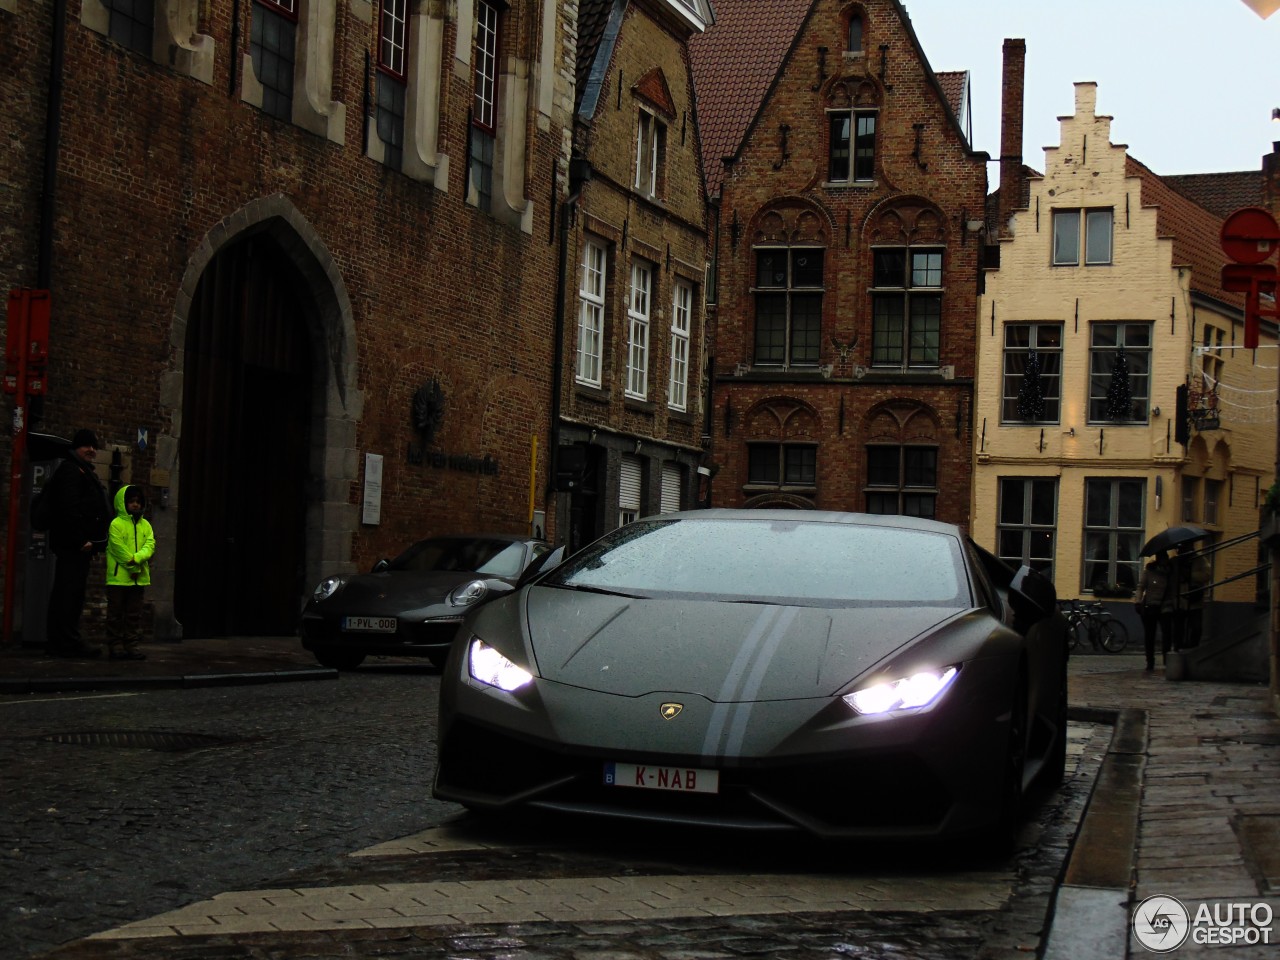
(124,808)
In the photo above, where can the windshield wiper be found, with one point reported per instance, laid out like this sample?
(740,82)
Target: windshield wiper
(586,588)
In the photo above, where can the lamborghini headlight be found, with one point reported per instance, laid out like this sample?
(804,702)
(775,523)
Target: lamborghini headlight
(490,667)
(908,693)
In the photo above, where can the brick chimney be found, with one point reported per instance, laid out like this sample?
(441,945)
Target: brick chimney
(1011,97)
(1271,180)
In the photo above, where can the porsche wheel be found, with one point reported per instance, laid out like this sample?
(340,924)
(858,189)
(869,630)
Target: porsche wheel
(339,659)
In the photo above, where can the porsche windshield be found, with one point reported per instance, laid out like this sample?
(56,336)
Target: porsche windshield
(772,561)
(494,558)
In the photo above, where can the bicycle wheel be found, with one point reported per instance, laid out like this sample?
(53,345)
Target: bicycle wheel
(1077,633)
(1115,635)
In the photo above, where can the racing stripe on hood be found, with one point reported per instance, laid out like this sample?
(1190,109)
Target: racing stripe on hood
(755,654)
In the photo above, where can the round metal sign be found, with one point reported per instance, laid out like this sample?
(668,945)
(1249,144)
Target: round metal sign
(1250,235)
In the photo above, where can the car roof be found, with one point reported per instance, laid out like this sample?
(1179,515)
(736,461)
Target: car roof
(509,537)
(818,516)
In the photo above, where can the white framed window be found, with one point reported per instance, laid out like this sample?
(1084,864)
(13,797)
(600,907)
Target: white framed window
(651,145)
(630,485)
(638,311)
(1066,237)
(391,84)
(681,314)
(484,112)
(591,294)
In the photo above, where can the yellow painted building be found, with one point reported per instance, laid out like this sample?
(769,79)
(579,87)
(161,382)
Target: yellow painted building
(1106,301)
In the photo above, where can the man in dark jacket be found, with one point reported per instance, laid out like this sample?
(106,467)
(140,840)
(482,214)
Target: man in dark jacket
(78,530)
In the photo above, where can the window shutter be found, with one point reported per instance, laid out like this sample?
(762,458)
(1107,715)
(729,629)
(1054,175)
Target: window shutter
(629,483)
(671,483)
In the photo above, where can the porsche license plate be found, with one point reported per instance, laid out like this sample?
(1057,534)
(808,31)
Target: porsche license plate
(369,624)
(655,777)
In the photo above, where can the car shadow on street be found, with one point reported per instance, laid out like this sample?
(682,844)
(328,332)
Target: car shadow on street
(683,849)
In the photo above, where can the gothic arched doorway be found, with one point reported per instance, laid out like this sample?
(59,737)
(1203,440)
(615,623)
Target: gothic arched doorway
(246,423)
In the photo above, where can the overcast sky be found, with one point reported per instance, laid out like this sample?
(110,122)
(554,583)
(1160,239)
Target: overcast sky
(1190,84)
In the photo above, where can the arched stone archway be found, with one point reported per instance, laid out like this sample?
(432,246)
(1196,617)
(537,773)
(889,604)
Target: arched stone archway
(263,409)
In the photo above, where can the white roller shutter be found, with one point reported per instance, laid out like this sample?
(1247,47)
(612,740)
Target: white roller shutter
(672,483)
(629,484)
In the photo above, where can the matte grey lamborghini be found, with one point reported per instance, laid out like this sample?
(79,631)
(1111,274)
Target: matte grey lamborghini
(846,675)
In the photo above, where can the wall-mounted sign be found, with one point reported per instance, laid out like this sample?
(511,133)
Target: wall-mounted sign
(426,413)
(372,513)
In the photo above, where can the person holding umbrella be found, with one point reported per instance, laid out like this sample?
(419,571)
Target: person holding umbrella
(1154,599)
(1190,574)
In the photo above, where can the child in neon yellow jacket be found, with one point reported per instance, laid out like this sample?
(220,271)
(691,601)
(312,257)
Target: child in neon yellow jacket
(130,545)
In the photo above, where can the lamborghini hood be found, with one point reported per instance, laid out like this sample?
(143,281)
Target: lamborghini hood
(726,652)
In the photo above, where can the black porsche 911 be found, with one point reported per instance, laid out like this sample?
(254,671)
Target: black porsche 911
(412,605)
(846,675)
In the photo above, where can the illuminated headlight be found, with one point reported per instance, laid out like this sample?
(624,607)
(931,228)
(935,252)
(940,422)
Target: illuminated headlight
(327,587)
(909,693)
(492,668)
(468,593)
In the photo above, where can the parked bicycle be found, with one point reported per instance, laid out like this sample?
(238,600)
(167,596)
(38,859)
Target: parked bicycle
(1091,621)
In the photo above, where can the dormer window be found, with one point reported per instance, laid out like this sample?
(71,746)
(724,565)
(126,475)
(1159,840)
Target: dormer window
(651,149)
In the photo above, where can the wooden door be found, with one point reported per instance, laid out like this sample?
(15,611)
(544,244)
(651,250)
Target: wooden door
(245,444)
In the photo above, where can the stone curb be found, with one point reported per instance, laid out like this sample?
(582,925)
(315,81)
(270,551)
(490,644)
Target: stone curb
(1090,910)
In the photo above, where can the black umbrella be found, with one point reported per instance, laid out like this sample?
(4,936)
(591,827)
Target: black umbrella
(1171,538)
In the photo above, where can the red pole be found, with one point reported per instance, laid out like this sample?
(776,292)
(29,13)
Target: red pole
(22,316)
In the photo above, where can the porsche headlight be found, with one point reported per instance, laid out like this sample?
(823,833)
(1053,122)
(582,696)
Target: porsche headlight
(490,667)
(468,593)
(907,693)
(327,587)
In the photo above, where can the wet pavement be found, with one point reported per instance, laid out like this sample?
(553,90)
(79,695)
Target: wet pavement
(1175,793)
(186,663)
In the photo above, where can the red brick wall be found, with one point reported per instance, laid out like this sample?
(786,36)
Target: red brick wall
(936,174)
(152,161)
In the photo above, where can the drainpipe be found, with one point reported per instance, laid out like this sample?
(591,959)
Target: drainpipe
(579,174)
(52,135)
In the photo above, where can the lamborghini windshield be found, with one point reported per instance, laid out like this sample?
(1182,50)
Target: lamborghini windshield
(772,561)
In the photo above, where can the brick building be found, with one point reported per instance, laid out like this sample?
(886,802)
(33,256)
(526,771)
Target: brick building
(284,239)
(631,424)
(848,244)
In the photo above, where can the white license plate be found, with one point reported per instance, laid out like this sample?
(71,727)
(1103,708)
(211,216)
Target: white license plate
(655,777)
(369,624)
